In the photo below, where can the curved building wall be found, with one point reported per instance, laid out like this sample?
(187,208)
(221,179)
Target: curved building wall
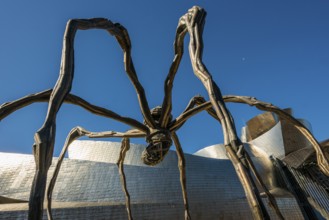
(274,135)
(271,142)
(271,136)
(215,151)
(85,187)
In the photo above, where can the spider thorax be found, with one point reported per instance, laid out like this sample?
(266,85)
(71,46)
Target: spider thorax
(159,141)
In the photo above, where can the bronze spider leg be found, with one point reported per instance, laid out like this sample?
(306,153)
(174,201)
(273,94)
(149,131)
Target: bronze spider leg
(125,146)
(271,199)
(178,50)
(74,134)
(45,136)
(9,107)
(322,160)
(182,173)
(199,100)
(191,110)
(193,23)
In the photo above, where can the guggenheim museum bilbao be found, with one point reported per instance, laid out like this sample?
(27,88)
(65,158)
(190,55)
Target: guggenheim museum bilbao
(89,187)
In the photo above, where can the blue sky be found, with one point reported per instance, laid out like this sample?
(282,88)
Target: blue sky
(277,51)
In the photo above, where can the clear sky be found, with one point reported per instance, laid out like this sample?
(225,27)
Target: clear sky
(277,51)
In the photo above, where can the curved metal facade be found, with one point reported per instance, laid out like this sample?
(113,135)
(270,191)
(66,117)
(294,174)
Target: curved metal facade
(88,186)
(214,190)
(293,158)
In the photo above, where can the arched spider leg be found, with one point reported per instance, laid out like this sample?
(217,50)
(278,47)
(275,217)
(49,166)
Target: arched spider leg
(181,119)
(74,134)
(203,105)
(182,173)
(230,138)
(322,160)
(45,136)
(125,146)
(193,23)
(195,19)
(197,101)
(9,107)
(178,50)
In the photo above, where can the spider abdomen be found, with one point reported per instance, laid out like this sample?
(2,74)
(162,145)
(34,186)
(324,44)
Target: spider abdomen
(159,145)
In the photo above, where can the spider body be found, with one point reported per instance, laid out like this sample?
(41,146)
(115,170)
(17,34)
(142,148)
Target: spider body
(159,129)
(159,140)
(159,145)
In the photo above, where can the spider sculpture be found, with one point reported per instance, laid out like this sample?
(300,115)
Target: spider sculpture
(159,127)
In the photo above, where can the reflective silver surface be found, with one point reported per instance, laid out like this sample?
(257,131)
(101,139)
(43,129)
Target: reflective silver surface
(213,188)
(88,186)
(283,141)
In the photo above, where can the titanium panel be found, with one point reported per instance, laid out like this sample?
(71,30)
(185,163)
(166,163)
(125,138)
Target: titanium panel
(271,142)
(94,188)
(215,151)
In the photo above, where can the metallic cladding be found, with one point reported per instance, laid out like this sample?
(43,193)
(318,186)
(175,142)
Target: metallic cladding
(88,186)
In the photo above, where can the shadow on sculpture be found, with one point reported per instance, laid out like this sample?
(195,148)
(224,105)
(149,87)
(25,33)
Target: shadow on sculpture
(159,127)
